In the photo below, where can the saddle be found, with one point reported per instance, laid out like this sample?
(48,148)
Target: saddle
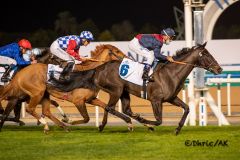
(6,74)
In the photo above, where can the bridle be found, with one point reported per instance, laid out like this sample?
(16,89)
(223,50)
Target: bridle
(195,65)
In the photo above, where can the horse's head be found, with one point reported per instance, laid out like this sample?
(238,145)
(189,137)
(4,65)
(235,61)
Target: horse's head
(47,57)
(206,60)
(107,52)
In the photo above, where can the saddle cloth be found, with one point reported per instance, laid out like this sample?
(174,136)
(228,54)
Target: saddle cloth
(132,71)
(2,70)
(55,69)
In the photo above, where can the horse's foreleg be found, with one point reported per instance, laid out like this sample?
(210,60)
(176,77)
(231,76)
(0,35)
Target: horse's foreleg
(101,104)
(178,102)
(83,111)
(17,112)
(31,109)
(46,112)
(55,104)
(1,108)
(114,97)
(125,100)
(157,110)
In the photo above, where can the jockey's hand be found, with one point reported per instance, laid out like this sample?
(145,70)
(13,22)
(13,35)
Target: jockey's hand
(170,59)
(32,57)
(34,61)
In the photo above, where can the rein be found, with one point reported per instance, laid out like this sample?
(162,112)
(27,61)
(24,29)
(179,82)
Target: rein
(194,65)
(115,55)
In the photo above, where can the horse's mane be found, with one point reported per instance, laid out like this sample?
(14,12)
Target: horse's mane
(98,50)
(182,52)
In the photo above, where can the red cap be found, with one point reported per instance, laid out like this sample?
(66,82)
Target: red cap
(25,44)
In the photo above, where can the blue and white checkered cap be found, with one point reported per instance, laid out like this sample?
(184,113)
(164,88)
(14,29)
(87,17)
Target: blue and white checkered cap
(87,35)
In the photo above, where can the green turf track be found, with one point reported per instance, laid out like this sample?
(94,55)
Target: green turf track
(22,143)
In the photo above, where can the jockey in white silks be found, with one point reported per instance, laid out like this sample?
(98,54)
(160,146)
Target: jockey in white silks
(67,48)
(11,57)
(149,46)
(31,54)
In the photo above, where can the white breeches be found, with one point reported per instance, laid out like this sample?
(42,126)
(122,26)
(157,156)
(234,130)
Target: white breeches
(140,50)
(7,60)
(59,52)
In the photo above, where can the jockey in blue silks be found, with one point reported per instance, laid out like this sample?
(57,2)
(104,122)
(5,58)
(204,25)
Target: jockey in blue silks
(149,46)
(11,56)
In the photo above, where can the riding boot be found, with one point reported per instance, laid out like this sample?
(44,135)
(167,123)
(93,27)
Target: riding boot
(65,73)
(145,76)
(5,77)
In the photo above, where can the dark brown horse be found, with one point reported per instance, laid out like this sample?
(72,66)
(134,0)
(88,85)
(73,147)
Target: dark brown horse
(34,86)
(169,80)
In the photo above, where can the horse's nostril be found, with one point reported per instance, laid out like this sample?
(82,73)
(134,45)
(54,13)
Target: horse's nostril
(220,70)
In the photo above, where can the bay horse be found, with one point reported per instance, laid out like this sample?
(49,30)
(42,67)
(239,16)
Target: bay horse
(169,80)
(34,85)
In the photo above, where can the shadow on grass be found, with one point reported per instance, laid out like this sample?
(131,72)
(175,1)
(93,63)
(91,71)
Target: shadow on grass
(160,130)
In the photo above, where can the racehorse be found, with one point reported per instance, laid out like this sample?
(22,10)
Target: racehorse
(169,80)
(34,86)
(47,58)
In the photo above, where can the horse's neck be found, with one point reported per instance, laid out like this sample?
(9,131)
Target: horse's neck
(47,58)
(102,56)
(179,71)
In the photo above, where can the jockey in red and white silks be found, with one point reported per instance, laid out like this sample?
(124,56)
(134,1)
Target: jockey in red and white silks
(67,48)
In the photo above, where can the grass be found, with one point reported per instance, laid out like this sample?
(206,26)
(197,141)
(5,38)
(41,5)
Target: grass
(117,143)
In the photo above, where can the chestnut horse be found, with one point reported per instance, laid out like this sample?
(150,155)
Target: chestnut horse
(46,57)
(28,82)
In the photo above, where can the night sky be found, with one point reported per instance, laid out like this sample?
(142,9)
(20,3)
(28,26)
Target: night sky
(24,16)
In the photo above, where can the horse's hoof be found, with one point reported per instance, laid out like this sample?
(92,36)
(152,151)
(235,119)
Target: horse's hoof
(65,120)
(38,123)
(100,128)
(46,131)
(66,129)
(151,129)
(130,127)
(177,131)
(21,123)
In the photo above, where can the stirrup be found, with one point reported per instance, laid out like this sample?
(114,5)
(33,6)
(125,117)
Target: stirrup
(5,79)
(151,79)
(64,78)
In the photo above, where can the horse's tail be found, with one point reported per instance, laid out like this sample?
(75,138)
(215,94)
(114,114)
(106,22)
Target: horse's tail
(7,91)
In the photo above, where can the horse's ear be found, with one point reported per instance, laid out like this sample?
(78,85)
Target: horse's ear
(204,44)
(198,45)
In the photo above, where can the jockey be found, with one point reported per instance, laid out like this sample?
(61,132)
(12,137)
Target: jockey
(149,46)
(11,56)
(67,48)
